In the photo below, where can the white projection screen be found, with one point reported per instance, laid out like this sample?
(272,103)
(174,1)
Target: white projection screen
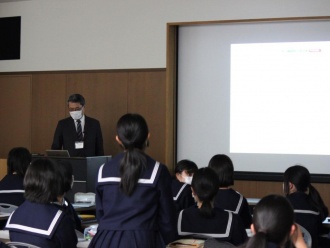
(256,91)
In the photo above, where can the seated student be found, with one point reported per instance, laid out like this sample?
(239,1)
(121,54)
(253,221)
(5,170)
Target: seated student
(181,189)
(273,225)
(65,168)
(38,221)
(227,198)
(11,186)
(309,208)
(205,220)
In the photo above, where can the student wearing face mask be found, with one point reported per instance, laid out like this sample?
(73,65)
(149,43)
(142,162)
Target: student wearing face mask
(181,190)
(79,134)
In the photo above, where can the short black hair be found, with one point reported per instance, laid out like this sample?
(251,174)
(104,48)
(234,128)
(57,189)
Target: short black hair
(18,161)
(223,166)
(77,98)
(187,165)
(42,181)
(65,168)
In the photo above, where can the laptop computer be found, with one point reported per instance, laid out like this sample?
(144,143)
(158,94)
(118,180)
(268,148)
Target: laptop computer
(58,153)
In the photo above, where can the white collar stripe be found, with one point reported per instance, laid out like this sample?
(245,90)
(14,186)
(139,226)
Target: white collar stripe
(213,235)
(180,191)
(36,230)
(306,211)
(239,204)
(12,191)
(118,179)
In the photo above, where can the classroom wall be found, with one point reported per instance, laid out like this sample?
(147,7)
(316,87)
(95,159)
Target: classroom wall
(79,35)
(103,34)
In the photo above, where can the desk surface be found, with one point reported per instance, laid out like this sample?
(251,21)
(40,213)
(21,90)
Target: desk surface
(4,237)
(4,216)
(253,201)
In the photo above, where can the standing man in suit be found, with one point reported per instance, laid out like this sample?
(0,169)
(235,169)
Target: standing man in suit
(79,134)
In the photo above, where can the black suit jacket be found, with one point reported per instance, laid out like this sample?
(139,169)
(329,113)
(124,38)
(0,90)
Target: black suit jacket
(66,135)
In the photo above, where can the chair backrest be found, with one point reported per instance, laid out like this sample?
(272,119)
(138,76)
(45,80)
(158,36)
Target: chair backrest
(306,235)
(7,208)
(20,245)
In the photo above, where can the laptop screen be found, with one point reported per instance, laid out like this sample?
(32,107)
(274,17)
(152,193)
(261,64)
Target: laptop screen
(57,153)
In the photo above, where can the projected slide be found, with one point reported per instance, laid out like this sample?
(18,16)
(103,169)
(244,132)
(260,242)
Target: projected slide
(280,98)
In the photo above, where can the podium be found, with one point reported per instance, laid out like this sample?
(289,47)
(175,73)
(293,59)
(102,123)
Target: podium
(84,170)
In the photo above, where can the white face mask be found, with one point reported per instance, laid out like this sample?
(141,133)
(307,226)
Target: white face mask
(76,115)
(188,180)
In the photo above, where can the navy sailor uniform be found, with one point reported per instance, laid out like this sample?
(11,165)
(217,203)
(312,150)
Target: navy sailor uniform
(182,195)
(306,215)
(12,190)
(144,219)
(231,200)
(43,225)
(224,225)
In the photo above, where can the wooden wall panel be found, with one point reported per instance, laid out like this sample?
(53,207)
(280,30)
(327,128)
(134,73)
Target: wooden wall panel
(49,106)
(3,168)
(106,100)
(146,96)
(15,112)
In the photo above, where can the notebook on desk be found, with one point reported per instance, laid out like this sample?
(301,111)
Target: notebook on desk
(58,153)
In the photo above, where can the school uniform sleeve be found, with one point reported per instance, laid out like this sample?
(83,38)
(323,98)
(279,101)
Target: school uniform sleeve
(246,214)
(66,234)
(166,213)
(98,202)
(239,235)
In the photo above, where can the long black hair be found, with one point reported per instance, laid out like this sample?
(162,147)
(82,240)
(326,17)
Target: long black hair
(273,218)
(301,178)
(132,131)
(205,184)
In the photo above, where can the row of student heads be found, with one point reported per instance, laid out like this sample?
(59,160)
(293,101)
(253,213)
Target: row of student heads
(44,179)
(296,178)
(273,217)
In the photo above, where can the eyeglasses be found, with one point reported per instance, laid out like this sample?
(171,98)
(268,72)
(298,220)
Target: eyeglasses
(76,109)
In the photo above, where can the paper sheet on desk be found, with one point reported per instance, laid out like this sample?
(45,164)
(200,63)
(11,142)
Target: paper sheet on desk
(83,204)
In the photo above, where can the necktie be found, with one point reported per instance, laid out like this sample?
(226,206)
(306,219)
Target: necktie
(79,131)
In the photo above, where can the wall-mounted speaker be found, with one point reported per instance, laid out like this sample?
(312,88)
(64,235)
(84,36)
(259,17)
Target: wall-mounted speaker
(10,38)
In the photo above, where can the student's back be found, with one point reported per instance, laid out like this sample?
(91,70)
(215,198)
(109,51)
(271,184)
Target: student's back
(134,205)
(38,221)
(273,225)
(227,198)
(11,186)
(206,221)
(308,205)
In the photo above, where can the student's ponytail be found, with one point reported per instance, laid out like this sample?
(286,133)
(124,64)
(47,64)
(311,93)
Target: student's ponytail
(205,185)
(259,240)
(132,131)
(315,199)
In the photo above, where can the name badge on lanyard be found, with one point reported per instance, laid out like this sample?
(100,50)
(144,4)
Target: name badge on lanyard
(79,144)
